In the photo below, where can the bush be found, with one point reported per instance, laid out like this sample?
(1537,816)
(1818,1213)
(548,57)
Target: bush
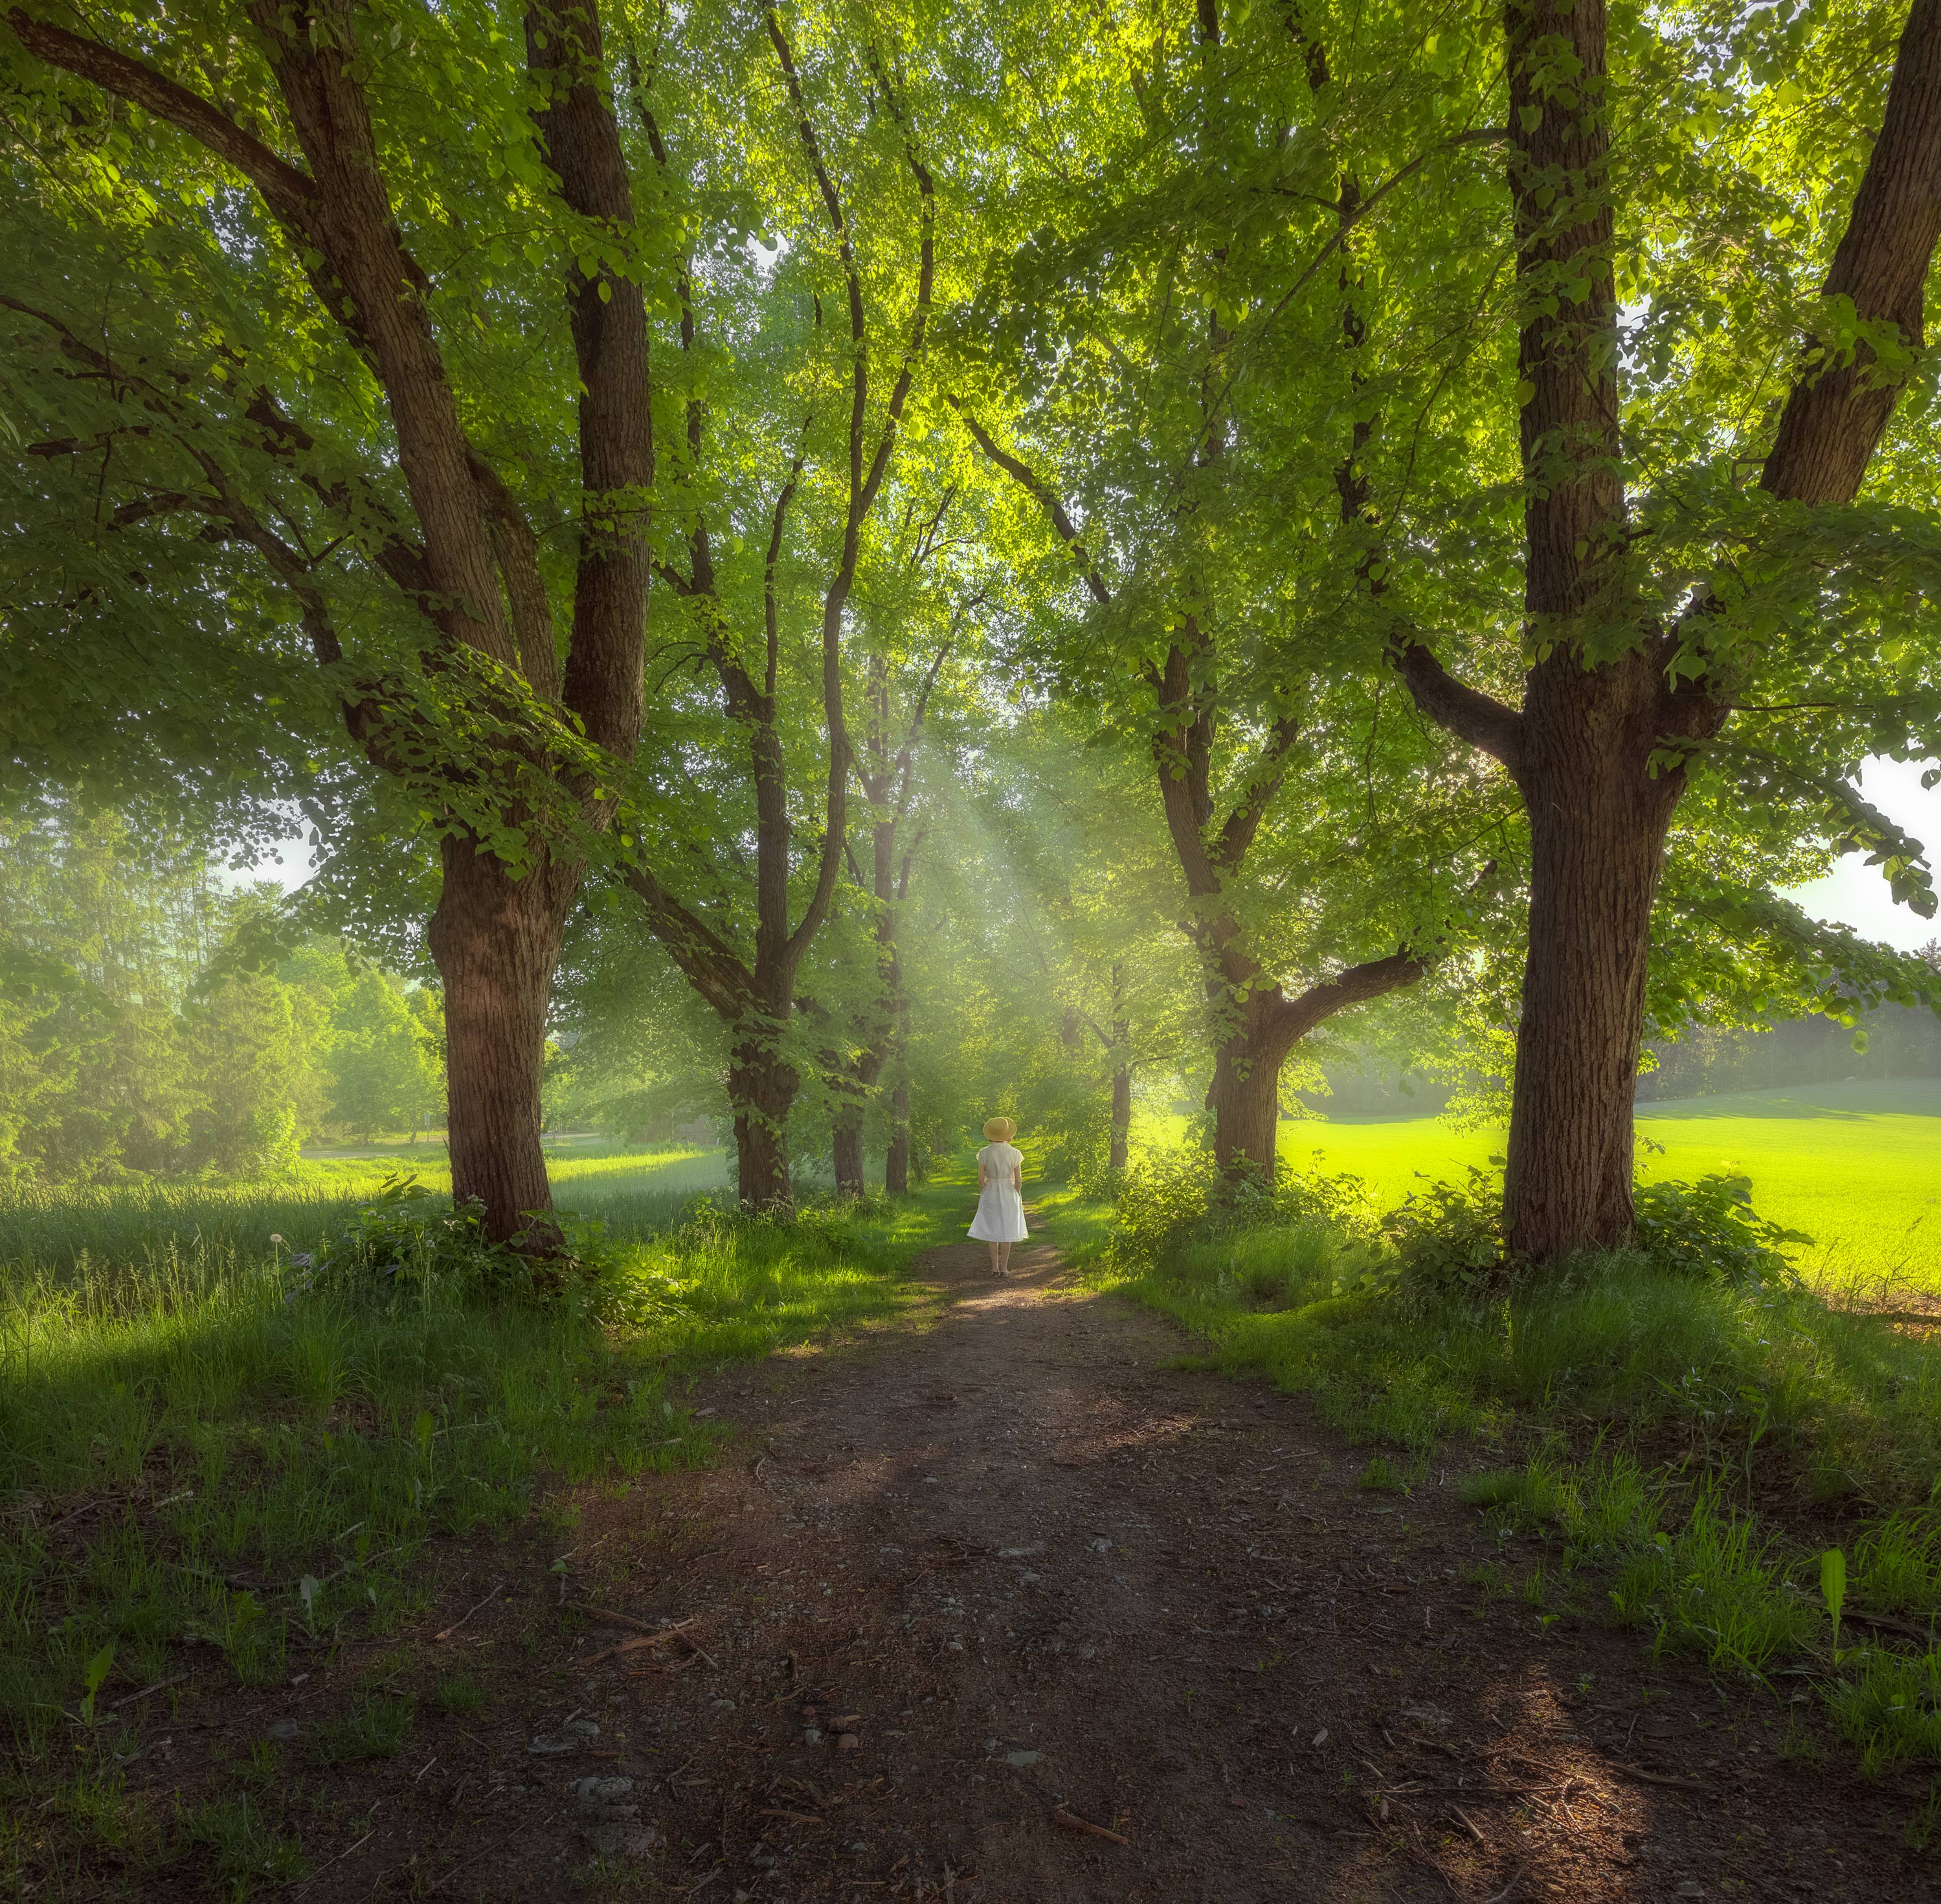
(1709,1230)
(1448,1238)
(1177,1199)
(406,1243)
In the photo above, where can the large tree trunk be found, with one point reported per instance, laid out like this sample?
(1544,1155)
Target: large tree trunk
(1244,1100)
(1598,821)
(496,942)
(896,1160)
(761,1090)
(847,1146)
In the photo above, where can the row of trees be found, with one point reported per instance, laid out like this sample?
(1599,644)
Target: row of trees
(1268,508)
(142,1030)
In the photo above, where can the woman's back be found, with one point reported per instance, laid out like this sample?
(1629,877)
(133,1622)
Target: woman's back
(1000,1220)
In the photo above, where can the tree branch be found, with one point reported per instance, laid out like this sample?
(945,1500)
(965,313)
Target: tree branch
(711,965)
(769,614)
(1837,410)
(1237,835)
(1041,492)
(1375,978)
(1466,712)
(290,195)
(516,548)
(603,683)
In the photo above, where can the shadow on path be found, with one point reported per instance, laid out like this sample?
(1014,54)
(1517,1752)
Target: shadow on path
(1025,1568)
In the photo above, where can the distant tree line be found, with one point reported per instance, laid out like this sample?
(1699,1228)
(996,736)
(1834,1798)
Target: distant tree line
(1889,1042)
(143,1031)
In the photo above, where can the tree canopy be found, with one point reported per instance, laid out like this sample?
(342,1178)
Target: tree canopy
(914,555)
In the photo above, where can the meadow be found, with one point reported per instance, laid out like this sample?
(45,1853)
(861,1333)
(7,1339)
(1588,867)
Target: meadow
(1856,1166)
(635,1193)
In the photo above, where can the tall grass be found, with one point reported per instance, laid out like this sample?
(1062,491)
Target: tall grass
(1853,1406)
(82,1231)
(195,1452)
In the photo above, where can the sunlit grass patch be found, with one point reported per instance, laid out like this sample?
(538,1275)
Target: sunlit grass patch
(1855,1166)
(149,1222)
(1667,1440)
(192,1443)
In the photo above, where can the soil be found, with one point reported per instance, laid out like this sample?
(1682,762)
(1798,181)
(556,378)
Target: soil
(1000,1605)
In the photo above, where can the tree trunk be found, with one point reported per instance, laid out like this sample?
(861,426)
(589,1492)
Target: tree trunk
(848,1151)
(1245,1099)
(1597,828)
(496,942)
(896,1160)
(1122,1101)
(761,1089)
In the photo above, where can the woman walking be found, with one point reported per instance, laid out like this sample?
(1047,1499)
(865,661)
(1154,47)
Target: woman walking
(999,1221)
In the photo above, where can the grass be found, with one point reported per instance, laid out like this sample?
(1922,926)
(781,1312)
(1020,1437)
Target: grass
(205,1473)
(638,1194)
(1688,1448)
(1856,1166)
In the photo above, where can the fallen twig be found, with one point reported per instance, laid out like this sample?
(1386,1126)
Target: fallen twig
(1886,1623)
(793,1817)
(440,1884)
(1468,1824)
(1060,1814)
(456,1624)
(637,1642)
(1659,1778)
(601,1614)
(1516,1878)
(161,1685)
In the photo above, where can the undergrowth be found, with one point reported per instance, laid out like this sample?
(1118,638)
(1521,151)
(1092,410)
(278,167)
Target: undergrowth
(215,1460)
(1700,1419)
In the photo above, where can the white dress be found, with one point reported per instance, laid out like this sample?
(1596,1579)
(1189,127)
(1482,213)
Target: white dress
(1000,1210)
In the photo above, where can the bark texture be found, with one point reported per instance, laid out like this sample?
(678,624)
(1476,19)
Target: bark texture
(1597,819)
(497,941)
(846,1148)
(1122,1106)
(761,1089)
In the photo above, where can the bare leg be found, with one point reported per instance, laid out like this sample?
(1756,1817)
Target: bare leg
(997,1254)
(1004,1258)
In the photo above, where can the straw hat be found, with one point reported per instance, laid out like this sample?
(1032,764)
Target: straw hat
(1000,1130)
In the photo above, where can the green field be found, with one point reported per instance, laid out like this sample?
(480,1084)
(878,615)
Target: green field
(1856,1166)
(635,1193)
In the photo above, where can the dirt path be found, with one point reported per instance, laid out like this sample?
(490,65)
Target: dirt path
(1027,1569)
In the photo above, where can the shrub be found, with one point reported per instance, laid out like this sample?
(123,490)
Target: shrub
(408,1243)
(1448,1238)
(1173,1201)
(1709,1230)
